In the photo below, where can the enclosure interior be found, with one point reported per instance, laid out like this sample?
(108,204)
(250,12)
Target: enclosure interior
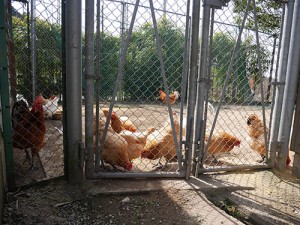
(141,132)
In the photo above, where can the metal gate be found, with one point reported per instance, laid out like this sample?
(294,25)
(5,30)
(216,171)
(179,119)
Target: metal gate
(140,86)
(238,81)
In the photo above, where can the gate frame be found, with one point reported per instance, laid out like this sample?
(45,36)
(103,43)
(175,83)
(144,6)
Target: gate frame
(199,127)
(92,170)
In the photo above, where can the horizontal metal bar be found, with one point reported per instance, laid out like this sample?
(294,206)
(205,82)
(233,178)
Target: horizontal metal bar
(233,168)
(137,175)
(216,3)
(277,83)
(147,7)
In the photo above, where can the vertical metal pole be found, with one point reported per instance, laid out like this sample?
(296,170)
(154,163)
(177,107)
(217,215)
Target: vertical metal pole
(73,88)
(97,89)
(102,17)
(27,79)
(271,68)
(203,152)
(185,70)
(288,103)
(192,84)
(201,87)
(122,26)
(11,53)
(89,85)
(289,6)
(123,5)
(33,49)
(64,82)
(165,7)
(5,104)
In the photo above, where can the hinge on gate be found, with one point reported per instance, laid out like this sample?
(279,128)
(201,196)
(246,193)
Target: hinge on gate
(81,151)
(275,83)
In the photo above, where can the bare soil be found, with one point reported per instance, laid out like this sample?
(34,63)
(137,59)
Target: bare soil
(64,204)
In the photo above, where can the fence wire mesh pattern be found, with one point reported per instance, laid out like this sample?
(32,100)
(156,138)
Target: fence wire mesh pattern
(36,89)
(238,136)
(140,136)
(230,145)
(141,131)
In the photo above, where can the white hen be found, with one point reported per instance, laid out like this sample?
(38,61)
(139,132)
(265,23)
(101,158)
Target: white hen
(51,105)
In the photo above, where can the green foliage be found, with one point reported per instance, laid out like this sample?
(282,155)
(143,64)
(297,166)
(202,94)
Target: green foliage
(109,54)
(268,15)
(245,66)
(143,76)
(48,57)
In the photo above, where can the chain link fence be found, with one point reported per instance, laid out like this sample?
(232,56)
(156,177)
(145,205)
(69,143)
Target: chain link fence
(248,92)
(35,68)
(149,139)
(139,135)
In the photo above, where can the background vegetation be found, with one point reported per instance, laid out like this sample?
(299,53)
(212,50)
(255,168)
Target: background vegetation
(142,77)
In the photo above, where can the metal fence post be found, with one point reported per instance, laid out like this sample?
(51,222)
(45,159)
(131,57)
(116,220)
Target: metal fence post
(185,76)
(64,83)
(279,86)
(288,103)
(33,49)
(89,85)
(201,88)
(73,88)
(5,105)
(192,85)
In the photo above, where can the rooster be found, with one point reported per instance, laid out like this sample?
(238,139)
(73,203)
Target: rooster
(173,96)
(29,129)
(257,140)
(221,143)
(50,106)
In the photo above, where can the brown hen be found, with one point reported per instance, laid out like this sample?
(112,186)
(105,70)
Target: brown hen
(30,130)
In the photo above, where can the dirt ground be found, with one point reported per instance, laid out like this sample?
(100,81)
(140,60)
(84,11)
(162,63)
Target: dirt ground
(48,165)
(63,204)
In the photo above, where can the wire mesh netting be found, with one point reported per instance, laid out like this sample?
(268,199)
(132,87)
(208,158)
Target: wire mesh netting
(141,131)
(140,120)
(233,142)
(36,70)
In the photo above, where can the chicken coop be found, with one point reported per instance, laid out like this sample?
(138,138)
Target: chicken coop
(141,88)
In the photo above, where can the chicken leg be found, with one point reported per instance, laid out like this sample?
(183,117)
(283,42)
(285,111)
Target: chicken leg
(27,158)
